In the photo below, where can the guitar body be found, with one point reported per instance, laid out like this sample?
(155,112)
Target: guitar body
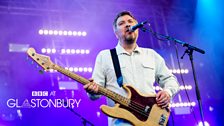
(153,114)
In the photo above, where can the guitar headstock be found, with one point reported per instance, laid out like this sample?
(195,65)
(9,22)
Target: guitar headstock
(42,60)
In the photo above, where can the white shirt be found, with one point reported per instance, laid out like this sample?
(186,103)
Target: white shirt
(140,69)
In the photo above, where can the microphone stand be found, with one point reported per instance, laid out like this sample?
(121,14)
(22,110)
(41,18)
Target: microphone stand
(84,120)
(189,50)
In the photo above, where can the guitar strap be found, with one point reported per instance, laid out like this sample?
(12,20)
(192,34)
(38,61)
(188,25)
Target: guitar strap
(117,67)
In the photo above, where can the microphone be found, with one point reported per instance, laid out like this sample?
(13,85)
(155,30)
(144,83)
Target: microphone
(139,25)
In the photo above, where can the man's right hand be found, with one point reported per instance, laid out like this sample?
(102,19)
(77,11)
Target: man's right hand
(91,87)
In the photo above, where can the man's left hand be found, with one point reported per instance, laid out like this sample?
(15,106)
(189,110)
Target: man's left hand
(163,99)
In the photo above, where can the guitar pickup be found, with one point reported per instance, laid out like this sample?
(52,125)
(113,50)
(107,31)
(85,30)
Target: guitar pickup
(162,120)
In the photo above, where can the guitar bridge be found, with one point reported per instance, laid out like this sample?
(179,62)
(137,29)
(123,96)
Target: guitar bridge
(162,120)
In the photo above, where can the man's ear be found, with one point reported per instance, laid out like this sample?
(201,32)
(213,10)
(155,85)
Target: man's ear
(115,32)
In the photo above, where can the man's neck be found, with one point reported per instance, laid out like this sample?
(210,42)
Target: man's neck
(128,47)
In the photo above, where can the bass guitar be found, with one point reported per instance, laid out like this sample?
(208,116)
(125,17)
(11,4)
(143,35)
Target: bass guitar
(137,108)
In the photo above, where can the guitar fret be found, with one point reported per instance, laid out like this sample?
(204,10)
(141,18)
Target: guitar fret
(72,75)
(114,96)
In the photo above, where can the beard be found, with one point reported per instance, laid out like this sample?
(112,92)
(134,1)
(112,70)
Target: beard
(130,39)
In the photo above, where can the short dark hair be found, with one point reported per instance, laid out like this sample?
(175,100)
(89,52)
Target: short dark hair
(122,13)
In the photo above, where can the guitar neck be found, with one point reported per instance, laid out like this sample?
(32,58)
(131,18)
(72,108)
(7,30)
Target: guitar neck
(106,92)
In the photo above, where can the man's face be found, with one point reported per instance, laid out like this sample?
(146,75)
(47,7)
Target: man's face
(123,23)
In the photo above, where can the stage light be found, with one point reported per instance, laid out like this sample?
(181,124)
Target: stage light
(85,69)
(181,87)
(157,88)
(90,69)
(181,104)
(51,70)
(182,71)
(188,104)
(211,108)
(82,51)
(68,51)
(60,32)
(205,122)
(53,50)
(174,71)
(65,33)
(185,104)
(48,50)
(193,103)
(84,33)
(87,51)
(50,32)
(41,32)
(187,87)
(55,32)
(186,71)
(77,51)
(98,114)
(65,51)
(62,51)
(178,71)
(80,69)
(79,33)
(43,50)
(177,105)
(72,51)
(70,69)
(45,32)
(69,33)
(76,69)
(74,33)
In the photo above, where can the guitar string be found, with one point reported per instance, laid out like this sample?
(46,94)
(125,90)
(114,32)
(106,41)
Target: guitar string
(133,105)
(138,108)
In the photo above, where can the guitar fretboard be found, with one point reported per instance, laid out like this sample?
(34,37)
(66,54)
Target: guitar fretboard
(106,92)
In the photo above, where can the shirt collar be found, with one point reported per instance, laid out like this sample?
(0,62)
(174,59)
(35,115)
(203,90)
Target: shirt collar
(121,50)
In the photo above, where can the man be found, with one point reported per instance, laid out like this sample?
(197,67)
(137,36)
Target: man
(140,68)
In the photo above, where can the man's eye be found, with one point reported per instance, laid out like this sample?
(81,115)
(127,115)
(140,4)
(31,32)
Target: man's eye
(130,21)
(121,23)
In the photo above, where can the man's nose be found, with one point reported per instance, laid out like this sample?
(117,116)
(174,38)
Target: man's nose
(128,26)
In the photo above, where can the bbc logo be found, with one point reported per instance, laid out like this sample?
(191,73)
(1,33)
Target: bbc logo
(39,93)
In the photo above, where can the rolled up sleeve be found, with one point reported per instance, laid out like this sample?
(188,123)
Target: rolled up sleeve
(165,78)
